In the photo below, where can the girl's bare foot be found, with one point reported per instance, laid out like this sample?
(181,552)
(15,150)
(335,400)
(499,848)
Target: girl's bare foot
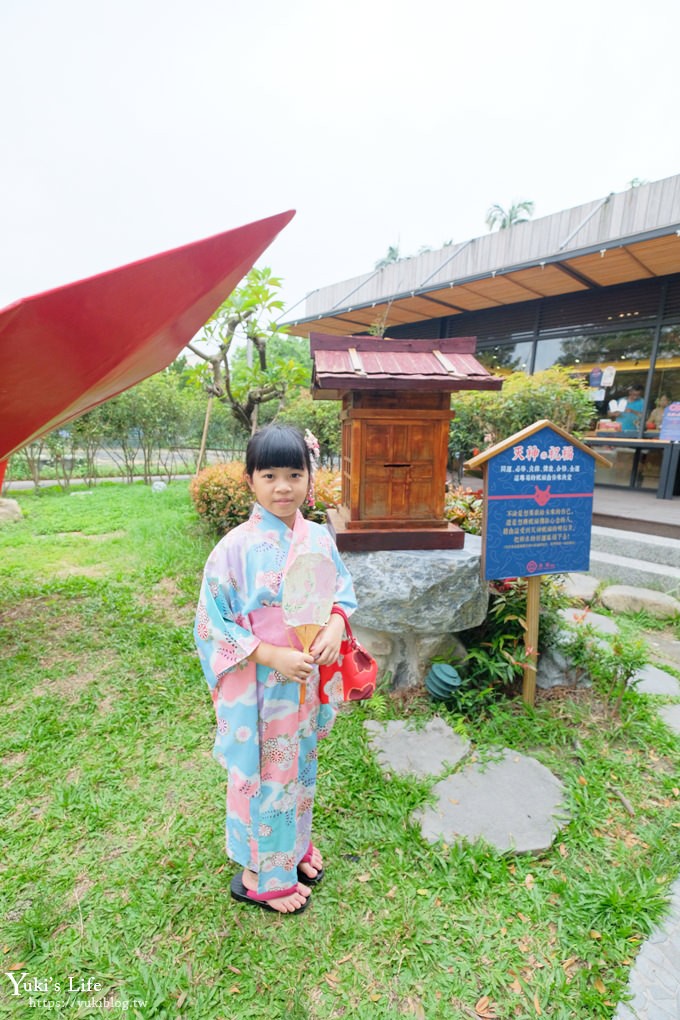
(284,904)
(312,868)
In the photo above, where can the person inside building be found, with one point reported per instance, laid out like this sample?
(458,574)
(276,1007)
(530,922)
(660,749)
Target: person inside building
(656,416)
(630,418)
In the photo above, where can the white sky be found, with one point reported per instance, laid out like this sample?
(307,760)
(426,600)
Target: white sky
(133,126)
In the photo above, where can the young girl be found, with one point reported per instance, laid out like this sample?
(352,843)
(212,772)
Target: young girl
(266,739)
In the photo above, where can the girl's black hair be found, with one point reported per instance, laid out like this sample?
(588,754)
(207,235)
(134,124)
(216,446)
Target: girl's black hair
(277,446)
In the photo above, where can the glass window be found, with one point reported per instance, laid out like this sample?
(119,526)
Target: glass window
(614,365)
(666,378)
(502,359)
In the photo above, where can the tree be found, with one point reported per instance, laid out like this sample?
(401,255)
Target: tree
(322,417)
(151,419)
(246,316)
(519,212)
(391,257)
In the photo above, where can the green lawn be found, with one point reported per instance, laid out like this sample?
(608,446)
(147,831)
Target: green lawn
(113,867)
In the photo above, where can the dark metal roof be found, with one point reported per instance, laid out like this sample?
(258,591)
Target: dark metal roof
(348,363)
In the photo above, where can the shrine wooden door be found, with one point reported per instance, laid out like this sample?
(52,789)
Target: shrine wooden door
(399,468)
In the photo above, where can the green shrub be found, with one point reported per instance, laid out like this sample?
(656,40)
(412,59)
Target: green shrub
(496,653)
(223,499)
(485,417)
(221,495)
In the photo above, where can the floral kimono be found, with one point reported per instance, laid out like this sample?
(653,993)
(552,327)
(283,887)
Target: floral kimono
(266,739)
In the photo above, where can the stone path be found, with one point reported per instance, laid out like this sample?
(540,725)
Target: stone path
(515,803)
(654,984)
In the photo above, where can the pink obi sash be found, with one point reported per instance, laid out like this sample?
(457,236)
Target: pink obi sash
(267,624)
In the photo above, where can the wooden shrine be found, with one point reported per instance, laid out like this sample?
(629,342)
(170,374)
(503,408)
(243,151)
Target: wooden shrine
(396,410)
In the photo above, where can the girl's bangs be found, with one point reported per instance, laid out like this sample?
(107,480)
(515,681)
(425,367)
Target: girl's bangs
(274,447)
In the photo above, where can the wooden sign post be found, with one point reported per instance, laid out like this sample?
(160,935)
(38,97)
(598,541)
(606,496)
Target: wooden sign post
(538,508)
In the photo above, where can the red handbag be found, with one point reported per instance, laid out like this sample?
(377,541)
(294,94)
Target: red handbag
(353,676)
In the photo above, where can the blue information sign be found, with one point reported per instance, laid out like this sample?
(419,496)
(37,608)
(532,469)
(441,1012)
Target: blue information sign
(538,507)
(670,423)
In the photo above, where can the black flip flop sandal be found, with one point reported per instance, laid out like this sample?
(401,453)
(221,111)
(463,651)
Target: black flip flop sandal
(306,880)
(241,895)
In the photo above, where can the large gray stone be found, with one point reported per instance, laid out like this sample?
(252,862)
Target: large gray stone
(624,598)
(404,750)
(412,602)
(514,803)
(556,670)
(9,511)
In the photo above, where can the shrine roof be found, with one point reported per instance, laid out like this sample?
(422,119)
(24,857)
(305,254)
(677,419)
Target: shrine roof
(342,364)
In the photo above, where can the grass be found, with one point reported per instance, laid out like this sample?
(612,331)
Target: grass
(113,867)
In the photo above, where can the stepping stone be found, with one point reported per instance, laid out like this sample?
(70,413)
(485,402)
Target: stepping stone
(580,617)
(405,751)
(514,803)
(581,586)
(671,716)
(664,648)
(653,983)
(652,680)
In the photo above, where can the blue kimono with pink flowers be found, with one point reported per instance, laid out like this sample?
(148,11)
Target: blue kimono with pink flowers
(266,740)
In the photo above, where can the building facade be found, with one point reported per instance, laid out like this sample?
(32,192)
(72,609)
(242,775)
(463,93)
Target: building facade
(595,289)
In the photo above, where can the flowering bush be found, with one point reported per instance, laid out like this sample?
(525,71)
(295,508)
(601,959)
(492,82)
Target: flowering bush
(327,493)
(464,507)
(223,499)
(221,495)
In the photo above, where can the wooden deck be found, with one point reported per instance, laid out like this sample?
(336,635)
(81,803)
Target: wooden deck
(633,510)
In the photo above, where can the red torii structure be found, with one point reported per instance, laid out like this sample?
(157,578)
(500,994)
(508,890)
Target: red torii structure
(66,350)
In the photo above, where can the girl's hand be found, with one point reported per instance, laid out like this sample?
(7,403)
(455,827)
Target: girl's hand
(326,645)
(290,662)
(294,664)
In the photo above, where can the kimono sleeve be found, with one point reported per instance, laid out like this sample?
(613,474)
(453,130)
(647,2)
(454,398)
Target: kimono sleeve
(344,586)
(222,634)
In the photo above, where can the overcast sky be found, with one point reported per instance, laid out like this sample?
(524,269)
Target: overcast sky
(133,126)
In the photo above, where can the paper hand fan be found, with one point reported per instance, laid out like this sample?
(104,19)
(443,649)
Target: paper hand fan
(308,594)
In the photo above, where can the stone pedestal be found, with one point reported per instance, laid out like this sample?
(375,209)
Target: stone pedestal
(413,602)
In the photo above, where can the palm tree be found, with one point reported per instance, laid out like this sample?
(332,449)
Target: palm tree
(391,256)
(519,212)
